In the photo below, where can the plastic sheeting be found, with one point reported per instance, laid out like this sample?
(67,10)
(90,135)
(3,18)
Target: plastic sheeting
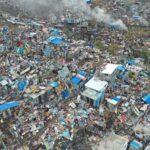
(65,94)
(22,85)
(20,50)
(8,105)
(76,80)
(121,68)
(117,99)
(132,62)
(147,99)
(54,84)
(136,145)
(55,40)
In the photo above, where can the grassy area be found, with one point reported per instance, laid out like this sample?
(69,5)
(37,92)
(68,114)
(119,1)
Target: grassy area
(135,32)
(113,48)
(99,44)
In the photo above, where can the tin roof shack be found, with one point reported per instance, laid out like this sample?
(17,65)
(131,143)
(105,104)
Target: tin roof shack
(94,91)
(114,142)
(109,72)
(6,107)
(113,103)
(36,94)
(135,145)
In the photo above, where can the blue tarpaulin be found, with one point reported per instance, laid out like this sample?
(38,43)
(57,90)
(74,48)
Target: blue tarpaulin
(117,99)
(76,80)
(9,105)
(5,30)
(98,100)
(55,40)
(132,62)
(20,50)
(121,68)
(65,94)
(22,85)
(54,84)
(120,76)
(82,73)
(135,145)
(147,99)
(65,134)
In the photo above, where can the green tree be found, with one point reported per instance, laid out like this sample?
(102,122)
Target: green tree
(146,56)
(99,44)
(113,48)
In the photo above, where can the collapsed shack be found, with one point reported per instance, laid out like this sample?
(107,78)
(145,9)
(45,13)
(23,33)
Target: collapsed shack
(44,67)
(79,142)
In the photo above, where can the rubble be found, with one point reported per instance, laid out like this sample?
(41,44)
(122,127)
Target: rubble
(73,92)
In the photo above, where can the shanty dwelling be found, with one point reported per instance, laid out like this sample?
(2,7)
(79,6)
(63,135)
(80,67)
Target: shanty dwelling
(5,108)
(79,80)
(94,91)
(108,72)
(135,145)
(113,103)
(37,94)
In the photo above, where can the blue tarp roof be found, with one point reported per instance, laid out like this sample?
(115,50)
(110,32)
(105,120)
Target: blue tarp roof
(132,62)
(9,105)
(54,84)
(22,85)
(135,145)
(55,40)
(82,73)
(121,68)
(5,30)
(117,99)
(147,98)
(65,93)
(76,80)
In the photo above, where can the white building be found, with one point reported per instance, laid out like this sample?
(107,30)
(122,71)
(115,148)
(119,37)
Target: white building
(109,72)
(94,91)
